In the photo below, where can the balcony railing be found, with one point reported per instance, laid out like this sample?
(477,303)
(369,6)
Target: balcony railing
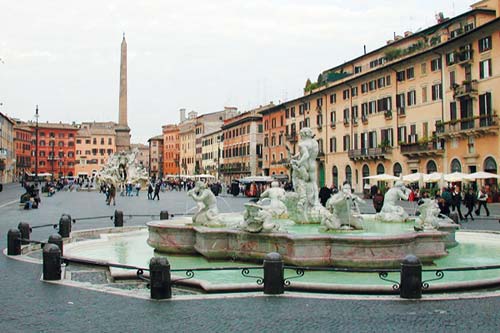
(369,153)
(468,88)
(478,125)
(431,148)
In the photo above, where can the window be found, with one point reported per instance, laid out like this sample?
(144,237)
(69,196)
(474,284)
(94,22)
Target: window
(402,134)
(333,145)
(94,141)
(485,110)
(346,116)
(372,107)
(102,141)
(110,141)
(384,104)
(388,80)
(401,76)
(381,82)
(436,64)
(345,94)
(485,69)
(411,97)
(333,118)
(423,68)
(319,120)
(319,103)
(386,137)
(450,58)
(292,112)
(484,44)
(372,85)
(354,113)
(354,91)
(437,92)
(452,79)
(347,142)
(364,88)
(424,94)
(410,73)
(468,27)
(357,69)
(453,111)
(333,98)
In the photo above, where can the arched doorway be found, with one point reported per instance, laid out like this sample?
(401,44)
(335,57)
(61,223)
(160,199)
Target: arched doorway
(321,174)
(431,167)
(397,169)
(348,175)
(490,165)
(380,169)
(456,166)
(335,176)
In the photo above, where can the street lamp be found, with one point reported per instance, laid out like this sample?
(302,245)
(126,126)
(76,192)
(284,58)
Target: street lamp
(52,143)
(36,143)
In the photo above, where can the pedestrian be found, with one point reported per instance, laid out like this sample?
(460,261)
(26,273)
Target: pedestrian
(157,191)
(456,201)
(469,202)
(324,194)
(150,191)
(482,198)
(446,201)
(137,189)
(112,194)
(378,201)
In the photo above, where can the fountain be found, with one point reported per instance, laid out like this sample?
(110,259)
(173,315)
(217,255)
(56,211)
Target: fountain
(304,232)
(122,168)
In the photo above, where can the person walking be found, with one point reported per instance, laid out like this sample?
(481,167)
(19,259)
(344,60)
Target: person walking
(482,198)
(137,189)
(157,191)
(456,202)
(112,194)
(469,202)
(150,191)
(378,200)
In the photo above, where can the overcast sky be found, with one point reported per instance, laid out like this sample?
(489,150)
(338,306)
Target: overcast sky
(200,55)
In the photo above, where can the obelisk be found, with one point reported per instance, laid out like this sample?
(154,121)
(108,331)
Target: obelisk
(122,130)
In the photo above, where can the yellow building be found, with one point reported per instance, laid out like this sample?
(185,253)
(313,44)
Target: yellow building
(95,143)
(187,139)
(211,152)
(424,102)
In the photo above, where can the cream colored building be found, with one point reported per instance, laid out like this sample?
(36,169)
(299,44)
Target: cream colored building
(95,143)
(7,150)
(187,139)
(156,156)
(424,102)
(211,151)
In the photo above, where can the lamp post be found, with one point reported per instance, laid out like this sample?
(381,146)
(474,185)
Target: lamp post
(219,140)
(52,143)
(36,143)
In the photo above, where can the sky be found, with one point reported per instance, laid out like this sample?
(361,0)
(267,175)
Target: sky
(64,56)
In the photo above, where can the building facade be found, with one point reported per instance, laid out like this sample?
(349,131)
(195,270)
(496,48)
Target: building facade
(171,150)
(95,143)
(424,102)
(156,156)
(142,156)
(187,142)
(7,150)
(23,146)
(212,146)
(275,152)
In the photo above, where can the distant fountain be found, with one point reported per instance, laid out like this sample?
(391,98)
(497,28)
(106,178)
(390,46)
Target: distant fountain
(122,168)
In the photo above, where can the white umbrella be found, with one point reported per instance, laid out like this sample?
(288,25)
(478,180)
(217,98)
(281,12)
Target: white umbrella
(413,177)
(433,177)
(382,177)
(456,177)
(481,175)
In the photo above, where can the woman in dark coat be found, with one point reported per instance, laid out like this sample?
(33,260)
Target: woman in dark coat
(378,201)
(469,202)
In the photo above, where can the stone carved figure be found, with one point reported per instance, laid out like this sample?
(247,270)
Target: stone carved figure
(121,169)
(343,210)
(429,215)
(275,195)
(256,219)
(391,211)
(208,213)
(304,203)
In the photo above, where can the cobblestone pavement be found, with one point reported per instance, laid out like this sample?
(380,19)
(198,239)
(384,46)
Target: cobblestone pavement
(29,305)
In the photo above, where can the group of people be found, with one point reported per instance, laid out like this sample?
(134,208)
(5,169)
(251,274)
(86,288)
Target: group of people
(31,198)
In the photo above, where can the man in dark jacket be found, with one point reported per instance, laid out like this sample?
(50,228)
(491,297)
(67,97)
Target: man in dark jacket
(456,201)
(469,202)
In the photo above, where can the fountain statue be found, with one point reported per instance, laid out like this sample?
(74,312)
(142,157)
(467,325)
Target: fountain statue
(257,218)
(275,194)
(208,213)
(122,168)
(391,211)
(343,211)
(429,215)
(304,205)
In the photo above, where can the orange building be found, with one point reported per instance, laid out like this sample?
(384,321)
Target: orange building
(23,146)
(171,150)
(274,147)
(56,148)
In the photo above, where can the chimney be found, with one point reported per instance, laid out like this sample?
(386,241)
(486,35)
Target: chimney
(183,114)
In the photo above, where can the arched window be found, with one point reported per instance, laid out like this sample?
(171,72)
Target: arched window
(335,176)
(456,166)
(380,169)
(397,169)
(490,165)
(366,173)
(348,174)
(431,166)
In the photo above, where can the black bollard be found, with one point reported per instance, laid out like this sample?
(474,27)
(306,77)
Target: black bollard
(51,262)
(118,218)
(57,240)
(273,274)
(159,273)
(164,215)
(13,242)
(25,230)
(411,278)
(65,225)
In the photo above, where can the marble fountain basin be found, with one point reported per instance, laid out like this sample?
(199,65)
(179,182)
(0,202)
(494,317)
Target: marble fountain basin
(380,245)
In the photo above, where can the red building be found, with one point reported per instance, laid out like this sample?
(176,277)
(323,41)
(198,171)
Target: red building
(56,148)
(171,150)
(23,147)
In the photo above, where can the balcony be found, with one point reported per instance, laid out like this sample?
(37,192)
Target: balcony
(473,126)
(467,89)
(464,56)
(432,148)
(280,162)
(370,153)
(234,168)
